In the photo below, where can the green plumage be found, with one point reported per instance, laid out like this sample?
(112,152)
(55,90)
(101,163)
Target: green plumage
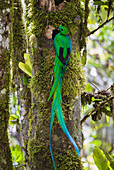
(62,46)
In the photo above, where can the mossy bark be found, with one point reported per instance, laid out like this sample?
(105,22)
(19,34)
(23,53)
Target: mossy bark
(19,80)
(40,18)
(5,154)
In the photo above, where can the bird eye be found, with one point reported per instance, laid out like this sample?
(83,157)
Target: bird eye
(61,29)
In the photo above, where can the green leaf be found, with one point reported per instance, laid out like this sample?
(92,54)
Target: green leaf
(88,87)
(13,117)
(107,120)
(20,157)
(83,60)
(25,68)
(97,142)
(27,60)
(100,159)
(17,155)
(93,99)
(14,100)
(12,123)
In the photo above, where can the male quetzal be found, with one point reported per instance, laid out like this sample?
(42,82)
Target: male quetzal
(62,46)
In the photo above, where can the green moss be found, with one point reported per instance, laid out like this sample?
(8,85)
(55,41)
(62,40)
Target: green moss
(5,154)
(38,153)
(40,156)
(41,81)
(69,160)
(40,18)
(30,126)
(75,77)
(4,5)
(17,39)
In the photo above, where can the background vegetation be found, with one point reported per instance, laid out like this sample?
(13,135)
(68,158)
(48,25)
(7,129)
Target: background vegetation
(99,128)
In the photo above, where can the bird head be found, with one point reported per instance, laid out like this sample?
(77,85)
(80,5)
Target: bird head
(63,30)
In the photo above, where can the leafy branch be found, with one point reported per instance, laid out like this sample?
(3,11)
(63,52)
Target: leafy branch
(102,102)
(101,105)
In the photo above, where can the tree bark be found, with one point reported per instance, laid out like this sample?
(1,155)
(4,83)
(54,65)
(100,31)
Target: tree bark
(19,80)
(41,19)
(5,154)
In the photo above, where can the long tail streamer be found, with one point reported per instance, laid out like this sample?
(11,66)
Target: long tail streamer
(56,107)
(61,39)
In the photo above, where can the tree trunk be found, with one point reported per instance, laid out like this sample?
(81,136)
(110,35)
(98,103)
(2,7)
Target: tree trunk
(19,80)
(5,154)
(42,18)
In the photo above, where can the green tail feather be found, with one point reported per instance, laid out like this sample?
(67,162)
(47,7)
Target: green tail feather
(62,44)
(57,100)
(57,107)
(57,80)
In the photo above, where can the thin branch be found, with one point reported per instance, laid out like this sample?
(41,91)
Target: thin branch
(108,88)
(93,85)
(92,32)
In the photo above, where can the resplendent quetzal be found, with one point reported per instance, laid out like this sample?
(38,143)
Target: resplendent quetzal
(62,46)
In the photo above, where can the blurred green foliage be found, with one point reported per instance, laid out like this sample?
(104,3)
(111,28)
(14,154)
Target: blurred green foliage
(100,73)
(17,157)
